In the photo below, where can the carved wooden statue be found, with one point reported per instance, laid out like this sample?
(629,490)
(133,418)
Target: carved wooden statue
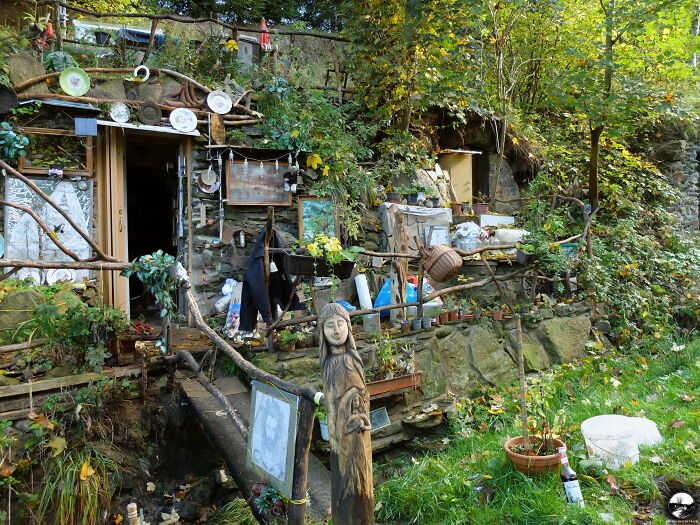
(347,403)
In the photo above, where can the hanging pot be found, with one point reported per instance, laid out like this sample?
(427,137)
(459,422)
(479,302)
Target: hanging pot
(441,262)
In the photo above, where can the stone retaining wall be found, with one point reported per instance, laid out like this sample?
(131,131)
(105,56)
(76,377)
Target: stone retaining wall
(456,360)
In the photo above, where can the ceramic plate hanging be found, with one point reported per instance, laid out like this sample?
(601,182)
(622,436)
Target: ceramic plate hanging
(150,113)
(119,112)
(182,119)
(206,188)
(74,81)
(208,177)
(219,102)
(83,185)
(59,274)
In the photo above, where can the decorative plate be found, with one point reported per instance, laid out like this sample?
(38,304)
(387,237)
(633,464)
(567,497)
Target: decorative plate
(150,113)
(209,188)
(74,81)
(59,274)
(83,185)
(119,112)
(182,119)
(219,102)
(208,176)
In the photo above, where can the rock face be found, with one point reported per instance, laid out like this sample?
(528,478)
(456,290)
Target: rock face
(22,67)
(506,189)
(456,359)
(564,338)
(488,357)
(17,308)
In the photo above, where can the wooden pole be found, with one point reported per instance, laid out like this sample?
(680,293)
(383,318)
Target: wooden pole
(266,271)
(76,265)
(521,374)
(58,32)
(151,41)
(338,81)
(305,426)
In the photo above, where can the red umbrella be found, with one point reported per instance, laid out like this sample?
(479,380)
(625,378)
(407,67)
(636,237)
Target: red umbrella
(263,37)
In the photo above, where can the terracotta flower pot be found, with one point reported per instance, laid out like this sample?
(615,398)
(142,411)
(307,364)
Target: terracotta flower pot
(456,208)
(405,327)
(453,315)
(395,383)
(480,208)
(444,317)
(532,464)
(289,348)
(497,315)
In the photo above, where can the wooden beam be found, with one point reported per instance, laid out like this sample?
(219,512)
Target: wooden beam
(76,265)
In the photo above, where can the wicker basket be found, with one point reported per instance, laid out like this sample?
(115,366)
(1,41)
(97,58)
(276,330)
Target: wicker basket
(441,262)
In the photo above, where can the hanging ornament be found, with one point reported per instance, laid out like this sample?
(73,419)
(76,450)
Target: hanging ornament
(262,170)
(245,167)
(277,167)
(230,155)
(289,160)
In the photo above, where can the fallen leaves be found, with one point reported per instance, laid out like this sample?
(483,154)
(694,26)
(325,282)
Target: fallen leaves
(57,445)
(41,420)
(86,471)
(686,397)
(677,423)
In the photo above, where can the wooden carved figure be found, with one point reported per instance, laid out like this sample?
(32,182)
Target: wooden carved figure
(347,404)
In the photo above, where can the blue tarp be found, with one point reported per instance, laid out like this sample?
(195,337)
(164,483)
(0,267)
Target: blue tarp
(141,37)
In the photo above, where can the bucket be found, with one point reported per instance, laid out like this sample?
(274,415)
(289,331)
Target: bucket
(612,438)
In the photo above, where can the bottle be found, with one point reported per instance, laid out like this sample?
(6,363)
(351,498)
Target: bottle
(570,480)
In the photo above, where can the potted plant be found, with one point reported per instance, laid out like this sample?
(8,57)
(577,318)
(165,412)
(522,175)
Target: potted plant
(532,453)
(444,315)
(456,208)
(427,322)
(287,340)
(405,326)
(392,370)
(481,205)
(451,306)
(410,193)
(416,323)
(326,257)
(392,195)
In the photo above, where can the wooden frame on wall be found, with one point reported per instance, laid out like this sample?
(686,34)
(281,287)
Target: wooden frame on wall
(316,215)
(87,167)
(247,186)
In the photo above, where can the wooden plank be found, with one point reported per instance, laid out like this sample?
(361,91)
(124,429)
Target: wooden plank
(63,382)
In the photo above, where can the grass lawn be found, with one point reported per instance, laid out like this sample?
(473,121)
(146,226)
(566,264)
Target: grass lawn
(471,482)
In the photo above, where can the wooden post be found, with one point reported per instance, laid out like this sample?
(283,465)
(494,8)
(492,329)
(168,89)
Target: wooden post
(338,81)
(151,41)
(296,511)
(266,268)
(521,374)
(57,30)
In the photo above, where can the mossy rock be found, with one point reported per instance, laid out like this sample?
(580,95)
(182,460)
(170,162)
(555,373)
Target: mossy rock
(18,307)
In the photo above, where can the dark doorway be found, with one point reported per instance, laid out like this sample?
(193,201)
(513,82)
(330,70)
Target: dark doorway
(151,207)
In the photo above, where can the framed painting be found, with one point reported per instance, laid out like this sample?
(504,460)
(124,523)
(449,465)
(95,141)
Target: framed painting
(57,148)
(272,435)
(316,215)
(256,184)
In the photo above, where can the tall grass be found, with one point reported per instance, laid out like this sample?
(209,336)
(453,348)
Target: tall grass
(66,498)
(235,512)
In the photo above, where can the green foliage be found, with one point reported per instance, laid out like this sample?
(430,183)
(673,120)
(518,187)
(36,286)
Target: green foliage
(309,121)
(58,61)
(12,143)
(154,272)
(288,338)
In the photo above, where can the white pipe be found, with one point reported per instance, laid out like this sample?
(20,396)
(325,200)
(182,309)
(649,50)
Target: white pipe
(363,291)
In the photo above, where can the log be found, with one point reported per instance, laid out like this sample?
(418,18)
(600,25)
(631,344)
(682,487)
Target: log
(22,346)
(77,265)
(185,356)
(305,426)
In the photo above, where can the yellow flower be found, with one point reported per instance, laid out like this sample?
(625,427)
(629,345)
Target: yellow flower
(314,250)
(313,160)
(326,169)
(232,45)
(294,133)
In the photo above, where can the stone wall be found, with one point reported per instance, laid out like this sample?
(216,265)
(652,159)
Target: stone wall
(456,359)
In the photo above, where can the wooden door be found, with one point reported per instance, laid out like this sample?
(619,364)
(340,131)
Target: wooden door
(111,217)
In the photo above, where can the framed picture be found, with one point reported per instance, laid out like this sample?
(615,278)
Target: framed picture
(272,435)
(316,215)
(57,148)
(256,184)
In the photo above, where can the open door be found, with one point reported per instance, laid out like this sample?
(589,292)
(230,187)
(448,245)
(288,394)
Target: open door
(111,199)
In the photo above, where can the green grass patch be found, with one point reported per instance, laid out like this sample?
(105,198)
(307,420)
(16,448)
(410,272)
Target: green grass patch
(472,482)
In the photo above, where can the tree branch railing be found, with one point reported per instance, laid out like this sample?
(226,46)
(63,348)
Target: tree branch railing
(182,19)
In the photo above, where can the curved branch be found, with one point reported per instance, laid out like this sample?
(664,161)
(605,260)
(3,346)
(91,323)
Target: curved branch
(60,210)
(51,234)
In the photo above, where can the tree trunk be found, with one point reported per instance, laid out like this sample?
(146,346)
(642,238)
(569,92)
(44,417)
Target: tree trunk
(593,166)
